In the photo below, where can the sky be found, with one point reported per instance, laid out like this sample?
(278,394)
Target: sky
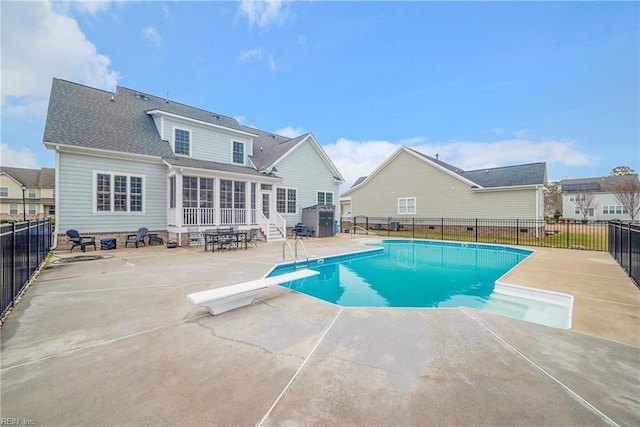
(481,84)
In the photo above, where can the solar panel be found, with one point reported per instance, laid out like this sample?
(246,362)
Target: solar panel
(583,186)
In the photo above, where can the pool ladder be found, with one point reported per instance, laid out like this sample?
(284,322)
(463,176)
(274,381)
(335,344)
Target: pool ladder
(294,253)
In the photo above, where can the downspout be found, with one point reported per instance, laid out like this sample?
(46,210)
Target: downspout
(537,211)
(57,198)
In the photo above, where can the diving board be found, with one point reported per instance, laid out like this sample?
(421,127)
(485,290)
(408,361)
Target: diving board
(227,298)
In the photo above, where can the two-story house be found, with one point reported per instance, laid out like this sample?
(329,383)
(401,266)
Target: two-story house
(26,193)
(128,159)
(594,199)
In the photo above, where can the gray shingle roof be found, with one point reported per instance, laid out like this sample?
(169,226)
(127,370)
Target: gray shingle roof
(604,184)
(207,165)
(34,178)
(507,176)
(87,117)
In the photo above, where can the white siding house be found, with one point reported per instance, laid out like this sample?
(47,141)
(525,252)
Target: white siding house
(598,199)
(127,160)
(411,184)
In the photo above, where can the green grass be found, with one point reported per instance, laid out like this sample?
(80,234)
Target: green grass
(572,239)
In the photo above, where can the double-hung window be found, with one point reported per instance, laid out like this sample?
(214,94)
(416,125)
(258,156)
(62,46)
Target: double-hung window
(32,193)
(406,206)
(4,191)
(13,209)
(182,141)
(286,200)
(116,192)
(238,152)
(325,197)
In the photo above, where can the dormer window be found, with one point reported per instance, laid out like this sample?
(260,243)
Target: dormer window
(238,152)
(182,141)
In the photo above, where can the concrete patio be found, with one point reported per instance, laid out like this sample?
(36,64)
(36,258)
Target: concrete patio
(115,342)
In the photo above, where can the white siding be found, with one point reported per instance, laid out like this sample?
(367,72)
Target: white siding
(438,194)
(75,192)
(599,201)
(305,170)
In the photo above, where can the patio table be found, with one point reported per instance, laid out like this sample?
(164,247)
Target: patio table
(213,237)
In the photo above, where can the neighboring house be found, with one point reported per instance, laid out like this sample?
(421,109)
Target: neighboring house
(37,199)
(411,184)
(600,203)
(127,159)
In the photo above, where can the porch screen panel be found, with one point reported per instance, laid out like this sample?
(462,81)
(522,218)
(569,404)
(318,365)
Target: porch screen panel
(206,192)
(190,192)
(239,195)
(226,194)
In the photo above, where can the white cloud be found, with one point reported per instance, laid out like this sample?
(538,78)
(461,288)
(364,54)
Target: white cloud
(263,13)
(251,54)
(151,35)
(290,131)
(22,158)
(360,158)
(258,54)
(38,44)
(91,7)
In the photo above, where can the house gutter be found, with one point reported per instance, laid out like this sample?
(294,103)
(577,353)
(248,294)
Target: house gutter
(57,193)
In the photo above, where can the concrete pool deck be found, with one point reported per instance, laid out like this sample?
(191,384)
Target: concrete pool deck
(115,342)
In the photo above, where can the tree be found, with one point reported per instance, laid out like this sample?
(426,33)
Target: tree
(584,202)
(622,170)
(553,199)
(627,192)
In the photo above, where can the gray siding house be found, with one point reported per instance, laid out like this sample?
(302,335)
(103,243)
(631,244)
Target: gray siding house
(413,184)
(128,159)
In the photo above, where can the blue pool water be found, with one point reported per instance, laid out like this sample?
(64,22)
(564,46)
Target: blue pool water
(421,273)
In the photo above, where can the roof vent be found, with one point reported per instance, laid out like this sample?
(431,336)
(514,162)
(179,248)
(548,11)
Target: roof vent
(437,156)
(112,99)
(273,137)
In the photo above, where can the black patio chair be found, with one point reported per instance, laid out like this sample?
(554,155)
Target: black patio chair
(83,242)
(138,238)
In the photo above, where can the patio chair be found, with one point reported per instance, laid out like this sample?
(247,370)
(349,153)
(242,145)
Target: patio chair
(138,238)
(302,230)
(253,236)
(195,237)
(83,242)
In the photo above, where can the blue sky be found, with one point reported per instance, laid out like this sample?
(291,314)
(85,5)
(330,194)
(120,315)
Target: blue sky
(482,84)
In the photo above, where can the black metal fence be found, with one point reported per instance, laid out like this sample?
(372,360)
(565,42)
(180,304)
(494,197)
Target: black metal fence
(624,246)
(23,249)
(563,234)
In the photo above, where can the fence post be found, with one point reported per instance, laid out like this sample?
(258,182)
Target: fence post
(476,230)
(517,231)
(442,228)
(413,227)
(13,265)
(567,233)
(629,239)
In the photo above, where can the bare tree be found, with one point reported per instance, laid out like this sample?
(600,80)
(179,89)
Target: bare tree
(553,199)
(627,193)
(585,201)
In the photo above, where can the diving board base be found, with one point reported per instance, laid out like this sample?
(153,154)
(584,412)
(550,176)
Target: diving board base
(220,300)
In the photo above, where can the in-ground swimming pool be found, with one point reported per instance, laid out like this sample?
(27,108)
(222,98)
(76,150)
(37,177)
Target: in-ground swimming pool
(422,273)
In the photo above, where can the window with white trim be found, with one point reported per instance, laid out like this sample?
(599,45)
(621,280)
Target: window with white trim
(614,210)
(13,209)
(32,193)
(325,197)
(4,191)
(117,192)
(32,209)
(182,141)
(406,206)
(286,200)
(238,152)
